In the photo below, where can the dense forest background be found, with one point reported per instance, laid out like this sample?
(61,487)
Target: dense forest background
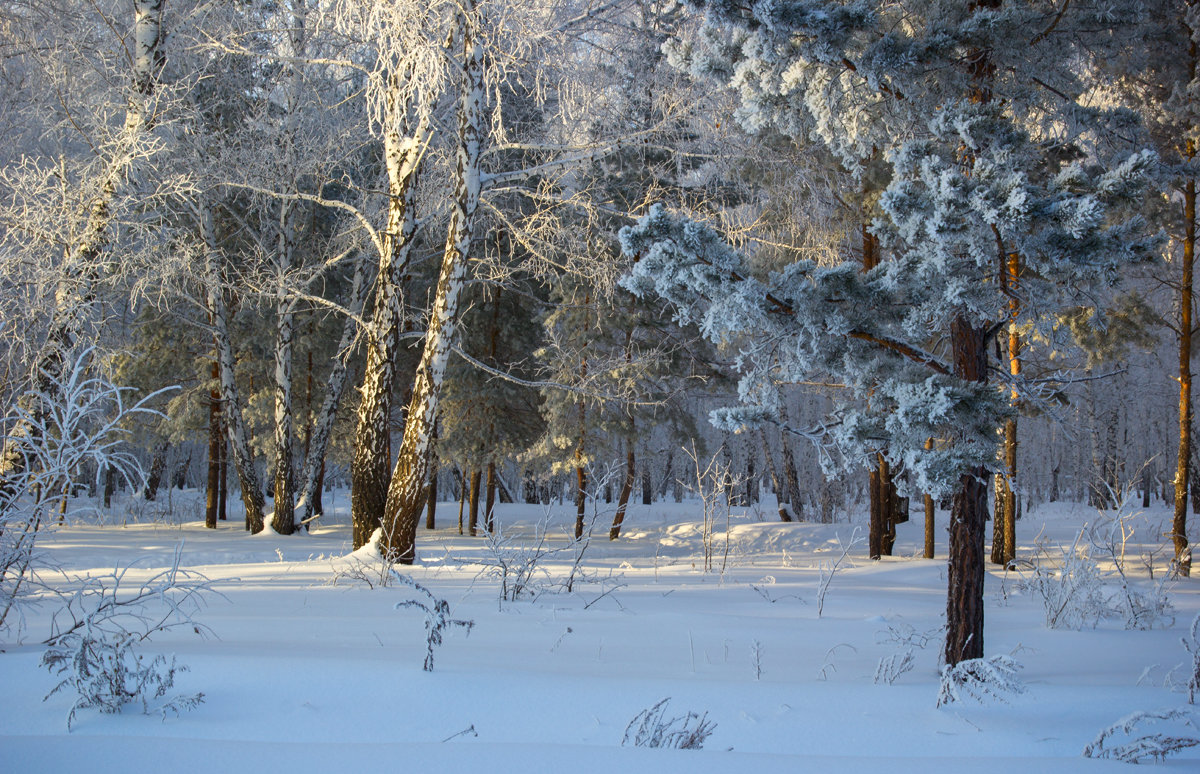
(412,249)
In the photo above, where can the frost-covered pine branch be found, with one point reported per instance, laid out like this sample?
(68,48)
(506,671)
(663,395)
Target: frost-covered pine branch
(981,679)
(1139,745)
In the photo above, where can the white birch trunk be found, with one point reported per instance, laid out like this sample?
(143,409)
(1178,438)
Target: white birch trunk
(406,493)
(283,520)
(323,423)
(371,465)
(243,457)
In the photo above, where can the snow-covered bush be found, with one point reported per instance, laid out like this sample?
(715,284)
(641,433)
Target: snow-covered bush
(1126,740)
(437,616)
(1191,644)
(105,672)
(1137,606)
(50,436)
(907,638)
(981,679)
(1070,586)
(96,633)
(651,728)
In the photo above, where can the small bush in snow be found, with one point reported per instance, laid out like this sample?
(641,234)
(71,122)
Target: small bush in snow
(78,422)
(1070,586)
(651,728)
(981,679)
(890,667)
(106,672)
(1137,607)
(1126,741)
(437,617)
(1191,644)
(96,632)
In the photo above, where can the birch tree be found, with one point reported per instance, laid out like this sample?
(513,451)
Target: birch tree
(58,206)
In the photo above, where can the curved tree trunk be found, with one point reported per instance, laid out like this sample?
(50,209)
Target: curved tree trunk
(406,494)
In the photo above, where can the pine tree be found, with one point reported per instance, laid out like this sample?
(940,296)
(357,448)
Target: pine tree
(945,93)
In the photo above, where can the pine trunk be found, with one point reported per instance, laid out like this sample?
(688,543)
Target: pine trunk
(489,511)
(968,518)
(158,463)
(473,506)
(929,513)
(1183,558)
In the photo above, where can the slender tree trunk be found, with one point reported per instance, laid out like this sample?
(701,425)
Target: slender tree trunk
(489,511)
(284,521)
(405,495)
(158,462)
(929,513)
(243,457)
(473,522)
(1183,558)
(223,476)
(775,485)
(212,490)
(875,515)
(432,486)
(462,498)
(795,498)
(309,502)
(626,486)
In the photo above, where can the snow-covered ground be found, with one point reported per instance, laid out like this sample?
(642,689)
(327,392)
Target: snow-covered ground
(308,669)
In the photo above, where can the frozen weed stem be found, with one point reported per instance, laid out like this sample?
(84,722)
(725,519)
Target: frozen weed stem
(651,728)
(437,617)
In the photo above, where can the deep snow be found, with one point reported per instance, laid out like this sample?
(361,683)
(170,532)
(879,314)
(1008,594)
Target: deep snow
(305,674)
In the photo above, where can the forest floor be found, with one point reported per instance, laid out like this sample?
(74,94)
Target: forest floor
(307,664)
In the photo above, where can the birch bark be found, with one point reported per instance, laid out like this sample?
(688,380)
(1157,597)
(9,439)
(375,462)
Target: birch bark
(405,494)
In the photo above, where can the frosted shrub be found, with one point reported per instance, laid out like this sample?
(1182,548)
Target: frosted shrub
(1136,606)
(981,679)
(97,631)
(1070,586)
(1191,644)
(1127,741)
(76,423)
(651,728)
(829,569)
(106,672)
(893,665)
